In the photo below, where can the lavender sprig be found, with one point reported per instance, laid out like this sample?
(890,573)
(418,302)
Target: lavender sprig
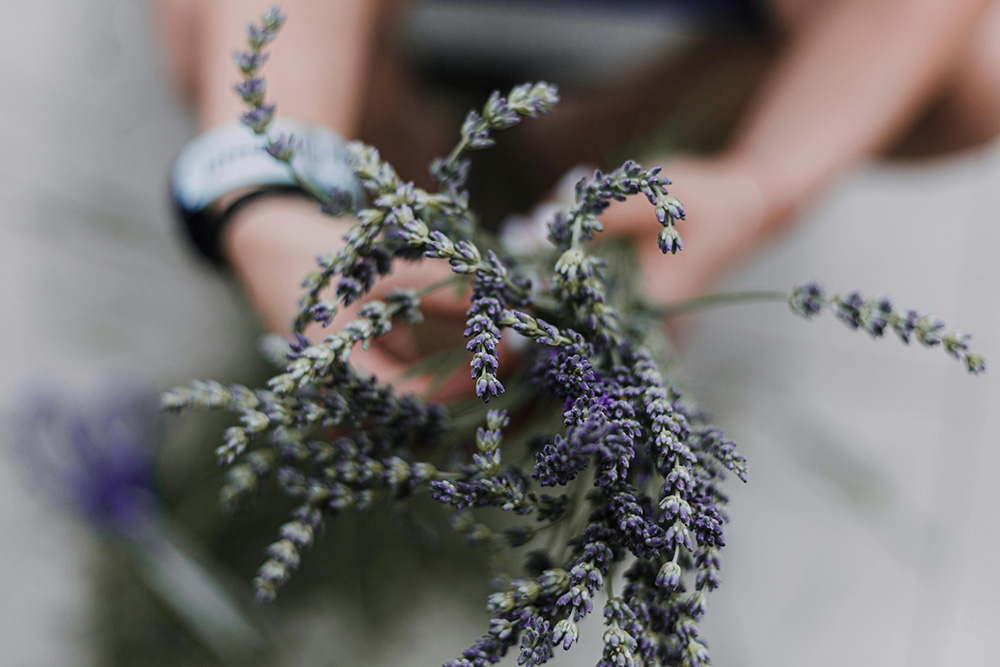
(252,88)
(260,115)
(408,222)
(876,316)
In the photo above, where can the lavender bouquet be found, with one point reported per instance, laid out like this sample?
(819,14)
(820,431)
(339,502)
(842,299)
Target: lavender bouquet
(623,475)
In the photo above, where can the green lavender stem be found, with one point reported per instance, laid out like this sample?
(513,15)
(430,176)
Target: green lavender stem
(717,299)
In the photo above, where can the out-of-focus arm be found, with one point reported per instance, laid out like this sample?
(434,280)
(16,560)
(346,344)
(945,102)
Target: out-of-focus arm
(854,75)
(317,69)
(316,72)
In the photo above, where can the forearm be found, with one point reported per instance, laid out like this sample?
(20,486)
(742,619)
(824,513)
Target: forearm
(271,246)
(851,79)
(316,72)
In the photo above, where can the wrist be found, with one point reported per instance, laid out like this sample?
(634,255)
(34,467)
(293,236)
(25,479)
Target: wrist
(263,223)
(226,168)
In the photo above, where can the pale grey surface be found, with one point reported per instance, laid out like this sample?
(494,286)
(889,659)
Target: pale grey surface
(867,534)
(93,283)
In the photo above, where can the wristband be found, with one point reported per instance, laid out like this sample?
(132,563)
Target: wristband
(232,157)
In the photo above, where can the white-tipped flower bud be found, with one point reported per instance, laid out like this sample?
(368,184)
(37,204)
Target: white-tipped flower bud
(669,576)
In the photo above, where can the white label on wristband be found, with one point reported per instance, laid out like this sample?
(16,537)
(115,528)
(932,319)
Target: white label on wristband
(231,157)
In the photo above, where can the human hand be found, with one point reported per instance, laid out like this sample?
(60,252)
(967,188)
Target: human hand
(272,245)
(725,222)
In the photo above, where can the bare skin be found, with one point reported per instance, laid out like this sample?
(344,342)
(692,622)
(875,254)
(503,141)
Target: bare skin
(822,107)
(272,244)
(851,79)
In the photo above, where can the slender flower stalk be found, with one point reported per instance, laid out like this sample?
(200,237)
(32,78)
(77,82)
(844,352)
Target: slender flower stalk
(876,316)
(718,299)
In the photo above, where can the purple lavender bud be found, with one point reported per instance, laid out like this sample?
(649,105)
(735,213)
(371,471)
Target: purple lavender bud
(669,576)
(498,114)
(258,118)
(349,289)
(874,315)
(848,309)
(496,419)
(577,600)
(956,343)
(273,19)
(259,36)
(807,299)
(905,325)
(975,363)
(672,207)
(928,330)
(533,99)
(249,62)
(616,610)
(338,203)
(323,312)
(450,175)
(476,131)
(669,240)
(252,90)
(647,191)
(536,643)
(283,147)
(488,385)
(566,633)
(696,654)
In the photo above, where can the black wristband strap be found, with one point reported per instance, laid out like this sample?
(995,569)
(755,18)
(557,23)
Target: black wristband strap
(231,158)
(205,228)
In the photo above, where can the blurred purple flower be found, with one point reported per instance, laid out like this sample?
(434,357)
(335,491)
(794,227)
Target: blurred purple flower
(93,457)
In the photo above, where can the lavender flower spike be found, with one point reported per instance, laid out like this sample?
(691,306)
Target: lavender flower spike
(875,316)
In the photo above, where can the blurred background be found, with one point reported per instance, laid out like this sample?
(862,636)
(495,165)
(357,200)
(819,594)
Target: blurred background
(866,534)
